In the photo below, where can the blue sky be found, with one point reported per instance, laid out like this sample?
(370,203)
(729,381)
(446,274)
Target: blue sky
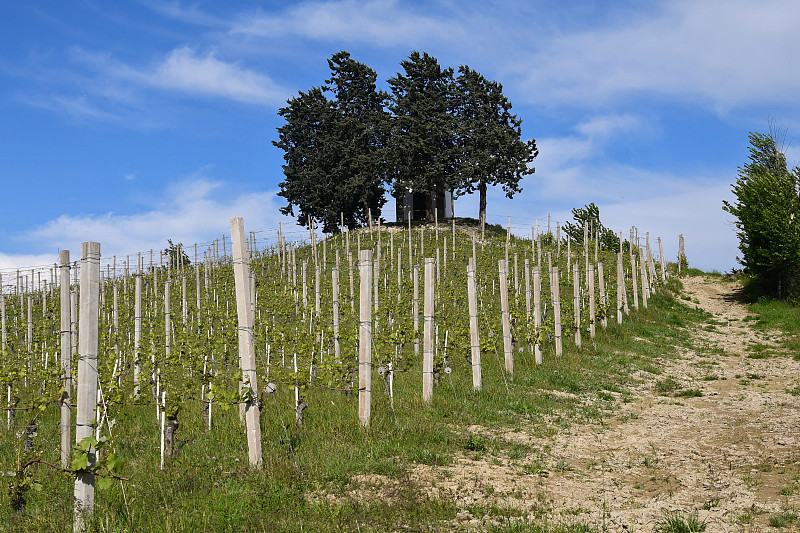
(131,122)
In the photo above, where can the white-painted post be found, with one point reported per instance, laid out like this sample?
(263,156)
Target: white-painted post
(365,337)
(428,331)
(87,376)
(247,355)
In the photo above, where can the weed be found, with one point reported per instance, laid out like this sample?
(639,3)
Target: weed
(562,466)
(782,520)
(750,482)
(667,385)
(679,522)
(711,504)
(650,461)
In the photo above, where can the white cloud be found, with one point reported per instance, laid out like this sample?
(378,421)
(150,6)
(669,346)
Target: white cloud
(186,70)
(378,22)
(723,51)
(9,264)
(192,211)
(573,171)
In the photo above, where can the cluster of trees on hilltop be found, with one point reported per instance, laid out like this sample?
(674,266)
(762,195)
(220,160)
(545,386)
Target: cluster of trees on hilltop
(346,141)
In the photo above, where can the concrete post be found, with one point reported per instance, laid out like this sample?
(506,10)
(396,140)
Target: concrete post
(247,357)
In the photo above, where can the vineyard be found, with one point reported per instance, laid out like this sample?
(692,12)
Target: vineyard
(241,384)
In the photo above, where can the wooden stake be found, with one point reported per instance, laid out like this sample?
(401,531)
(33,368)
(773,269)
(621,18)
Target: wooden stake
(137,330)
(335,282)
(415,309)
(87,377)
(474,339)
(3,334)
(576,298)
(365,337)
(506,319)
(247,357)
(620,287)
(427,344)
(635,283)
(537,314)
(556,309)
(603,297)
(66,361)
(592,313)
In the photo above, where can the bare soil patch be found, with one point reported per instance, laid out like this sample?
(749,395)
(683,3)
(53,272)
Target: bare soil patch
(729,454)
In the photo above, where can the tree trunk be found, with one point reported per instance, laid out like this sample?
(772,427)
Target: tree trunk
(482,205)
(170,429)
(429,206)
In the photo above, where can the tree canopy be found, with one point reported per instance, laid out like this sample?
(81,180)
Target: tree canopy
(334,148)
(345,141)
(589,215)
(767,211)
(489,139)
(423,153)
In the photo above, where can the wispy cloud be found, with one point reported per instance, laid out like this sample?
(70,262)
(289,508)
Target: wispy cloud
(721,51)
(376,22)
(196,210)
(75,108)
(190,14)
(573,171)
(188,71)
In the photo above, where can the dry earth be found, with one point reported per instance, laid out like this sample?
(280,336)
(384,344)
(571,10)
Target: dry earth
(729,455)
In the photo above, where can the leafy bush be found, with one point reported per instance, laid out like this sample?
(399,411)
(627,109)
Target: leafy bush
(767,204)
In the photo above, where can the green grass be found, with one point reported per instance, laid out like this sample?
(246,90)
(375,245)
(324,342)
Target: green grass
(679,522)
(782,520)
(338,476)
(667,385)
(777,315)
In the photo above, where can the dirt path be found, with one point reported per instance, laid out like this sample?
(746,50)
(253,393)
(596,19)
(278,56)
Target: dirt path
(730,454)
(727,449)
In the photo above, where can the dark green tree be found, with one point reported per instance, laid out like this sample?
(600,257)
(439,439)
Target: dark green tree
(590,215)
(767,211)
(176,255)
(334,148)
(490,145)
(304,138)
(422,153)
(361,129)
